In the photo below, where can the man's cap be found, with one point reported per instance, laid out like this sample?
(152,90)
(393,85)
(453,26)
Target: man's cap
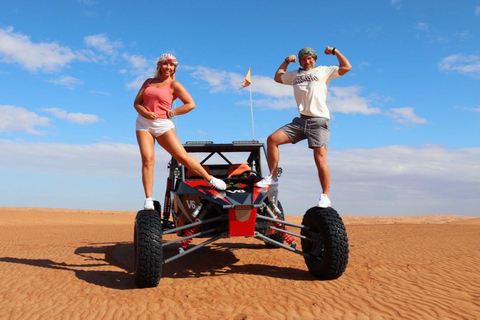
(307,51)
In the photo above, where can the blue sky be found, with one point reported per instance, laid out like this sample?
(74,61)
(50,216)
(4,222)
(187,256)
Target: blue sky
(404,120)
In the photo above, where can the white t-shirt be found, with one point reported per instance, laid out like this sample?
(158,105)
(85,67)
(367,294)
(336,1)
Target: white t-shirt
(310,89)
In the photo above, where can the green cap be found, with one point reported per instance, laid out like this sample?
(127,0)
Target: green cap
(307,51)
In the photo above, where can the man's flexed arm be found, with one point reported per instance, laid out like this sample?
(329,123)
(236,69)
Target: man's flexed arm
(345,65)
(283,68)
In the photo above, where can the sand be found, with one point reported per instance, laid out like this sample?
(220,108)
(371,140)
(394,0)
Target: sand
(78,264)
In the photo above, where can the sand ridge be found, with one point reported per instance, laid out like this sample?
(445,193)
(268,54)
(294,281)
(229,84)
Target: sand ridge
(78,264)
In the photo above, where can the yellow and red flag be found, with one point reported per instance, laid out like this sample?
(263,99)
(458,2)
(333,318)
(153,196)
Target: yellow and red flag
(247,80)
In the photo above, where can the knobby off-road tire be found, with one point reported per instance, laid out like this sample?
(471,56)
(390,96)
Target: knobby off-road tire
(329,258)
(276,236)
(148,253)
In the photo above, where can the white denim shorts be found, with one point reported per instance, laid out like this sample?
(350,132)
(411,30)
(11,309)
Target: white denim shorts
(156,127)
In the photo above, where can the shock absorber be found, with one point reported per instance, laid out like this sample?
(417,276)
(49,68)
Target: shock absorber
(188,232)
(285,236)
(198,215)
(273,210)
(167,203)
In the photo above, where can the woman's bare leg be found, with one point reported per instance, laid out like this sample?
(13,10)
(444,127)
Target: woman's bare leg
(169,141)
(146,142)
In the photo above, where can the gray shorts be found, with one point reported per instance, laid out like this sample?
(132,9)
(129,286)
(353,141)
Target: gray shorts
(316,130)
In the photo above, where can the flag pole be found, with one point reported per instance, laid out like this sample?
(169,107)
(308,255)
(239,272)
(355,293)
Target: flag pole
(251,111)
(248,83)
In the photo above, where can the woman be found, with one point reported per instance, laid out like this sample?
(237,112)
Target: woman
(153,104)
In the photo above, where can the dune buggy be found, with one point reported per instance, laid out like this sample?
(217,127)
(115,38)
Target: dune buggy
(194,210)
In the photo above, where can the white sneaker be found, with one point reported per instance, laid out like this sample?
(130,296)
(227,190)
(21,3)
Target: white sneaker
(217,184)
(324,201)
(267,181)
(148,205)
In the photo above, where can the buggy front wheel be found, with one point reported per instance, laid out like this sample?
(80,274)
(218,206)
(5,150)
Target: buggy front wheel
(326,243)
(148,256)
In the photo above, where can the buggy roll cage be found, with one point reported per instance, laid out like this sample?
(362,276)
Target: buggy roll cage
(253,160)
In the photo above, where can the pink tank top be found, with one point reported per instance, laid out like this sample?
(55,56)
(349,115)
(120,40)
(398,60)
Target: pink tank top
(158,100)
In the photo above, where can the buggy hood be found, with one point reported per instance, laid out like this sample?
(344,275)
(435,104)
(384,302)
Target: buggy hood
(237,193)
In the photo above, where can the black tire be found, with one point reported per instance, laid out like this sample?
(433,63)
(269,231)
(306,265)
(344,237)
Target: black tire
(329,257)
(276,236)
(148,254)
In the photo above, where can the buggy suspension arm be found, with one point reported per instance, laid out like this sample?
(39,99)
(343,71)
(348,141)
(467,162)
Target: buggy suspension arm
(294,234)
(278,244)
(194,224)
(291,224)
(189,237)
(223,235)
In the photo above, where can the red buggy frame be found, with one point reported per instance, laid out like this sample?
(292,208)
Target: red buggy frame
(194,210)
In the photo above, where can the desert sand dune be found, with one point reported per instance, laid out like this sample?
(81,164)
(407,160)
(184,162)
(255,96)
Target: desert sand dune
(78,264)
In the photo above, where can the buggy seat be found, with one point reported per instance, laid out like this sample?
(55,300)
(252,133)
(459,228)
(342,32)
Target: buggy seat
(237,169)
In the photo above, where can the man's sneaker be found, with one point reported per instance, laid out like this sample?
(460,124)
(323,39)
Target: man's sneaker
(148,205)
(324,201)
(267,181)
(217,184)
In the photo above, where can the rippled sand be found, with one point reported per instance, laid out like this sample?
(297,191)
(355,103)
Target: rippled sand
(78,264)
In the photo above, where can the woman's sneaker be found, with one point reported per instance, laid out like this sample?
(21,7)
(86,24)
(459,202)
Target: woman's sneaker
(217,184)
(267,181)
(148,205)
(324,201)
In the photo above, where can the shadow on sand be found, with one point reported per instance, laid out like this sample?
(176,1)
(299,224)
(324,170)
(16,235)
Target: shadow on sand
(213,260)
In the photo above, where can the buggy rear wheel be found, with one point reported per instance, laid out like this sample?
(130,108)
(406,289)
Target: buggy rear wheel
(328,253)
(148,256)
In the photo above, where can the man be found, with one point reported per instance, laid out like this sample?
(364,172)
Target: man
(310,89)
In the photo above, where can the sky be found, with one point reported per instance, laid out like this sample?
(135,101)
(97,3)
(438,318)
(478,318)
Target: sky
(404,126)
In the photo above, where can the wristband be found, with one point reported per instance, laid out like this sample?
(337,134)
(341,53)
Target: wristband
(171,114)
(333,51)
